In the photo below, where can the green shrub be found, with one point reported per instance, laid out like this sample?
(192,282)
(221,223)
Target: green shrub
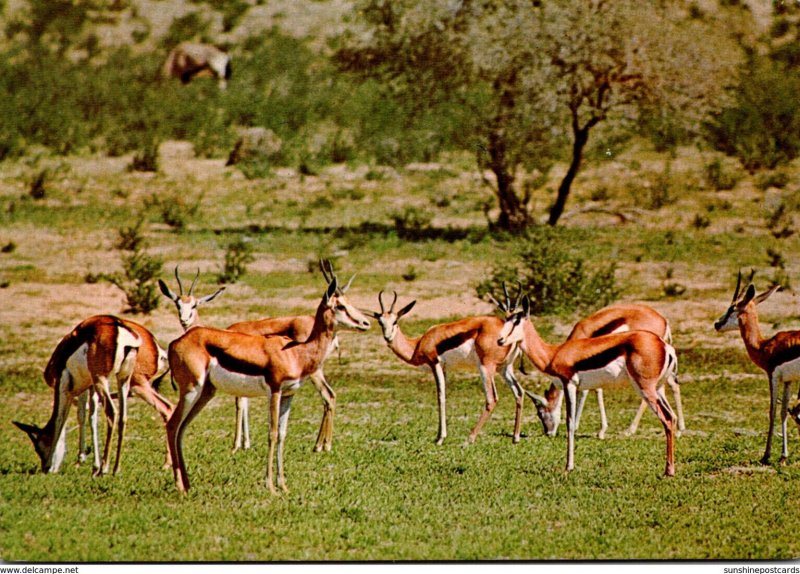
(720,176)
(762,128)
(556,279)
(238,255)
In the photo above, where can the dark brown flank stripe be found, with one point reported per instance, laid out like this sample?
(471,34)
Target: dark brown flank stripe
(599,360)
(786,355)
(608,328)
(452,342)
(233,364)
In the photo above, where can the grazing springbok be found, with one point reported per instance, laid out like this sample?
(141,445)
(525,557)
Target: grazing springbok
(640,357)
(297,327)
(778,356)
(100,351)
(188,61)
(205,360)
(612,319)
(466,344)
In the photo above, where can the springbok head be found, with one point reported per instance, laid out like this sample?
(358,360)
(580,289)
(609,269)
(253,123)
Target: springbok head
(345,314)
(50,455)
(388,319)
(187,304)
(512,331)
(742,303)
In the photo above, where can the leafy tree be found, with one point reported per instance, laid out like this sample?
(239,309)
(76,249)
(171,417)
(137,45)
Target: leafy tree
(537,76)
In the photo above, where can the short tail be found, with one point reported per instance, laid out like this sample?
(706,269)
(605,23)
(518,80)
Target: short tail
(156,383)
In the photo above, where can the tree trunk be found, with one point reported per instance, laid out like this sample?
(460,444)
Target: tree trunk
(514,214)
(581,138)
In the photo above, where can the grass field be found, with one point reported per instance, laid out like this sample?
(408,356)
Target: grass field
(386,492)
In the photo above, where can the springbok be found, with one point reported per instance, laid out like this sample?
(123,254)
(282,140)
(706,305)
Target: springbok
(188,61)
(640,357)
(100,350)
(296,327)
(465,344)
(205,360)
(612,319)
(778,356)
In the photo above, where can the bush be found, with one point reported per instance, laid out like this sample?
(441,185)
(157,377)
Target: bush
(762,128)
(557,280)
(238,254)
(721,177)
(138,280)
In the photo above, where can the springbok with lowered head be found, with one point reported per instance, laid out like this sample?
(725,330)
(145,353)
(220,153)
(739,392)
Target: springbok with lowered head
(97,353)
(190,60)
(640,357)
(205,360)
(778,356)
(465,344)
(612,319)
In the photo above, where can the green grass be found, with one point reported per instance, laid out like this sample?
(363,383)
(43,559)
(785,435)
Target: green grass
(387,492)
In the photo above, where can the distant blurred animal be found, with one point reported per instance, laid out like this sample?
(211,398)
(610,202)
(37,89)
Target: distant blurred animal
(187,61)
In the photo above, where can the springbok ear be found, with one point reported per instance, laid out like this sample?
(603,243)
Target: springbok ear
(537,399)
(30,430)
(766,295)
(406,309)
(373,314)
(166,290)
(526,305)
(211,297)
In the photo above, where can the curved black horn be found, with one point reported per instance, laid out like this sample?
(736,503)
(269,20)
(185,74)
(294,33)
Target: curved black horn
(380,300)
(194,281)
(519,294)
(178,279)
(391,309)
(508,299)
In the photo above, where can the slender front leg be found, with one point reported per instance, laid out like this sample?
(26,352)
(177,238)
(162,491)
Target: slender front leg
(274,416)
(94,417)
(122,419)
(519,396)
(784,414)
(111,423)
(490,393)
(82,400)
(438,374)
(773,403)
(283,425)
(570,397)
(637,418)
(579,411)
(325,435)
(603,420)
(241,437)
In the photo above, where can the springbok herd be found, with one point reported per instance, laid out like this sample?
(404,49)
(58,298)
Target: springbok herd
(272,357)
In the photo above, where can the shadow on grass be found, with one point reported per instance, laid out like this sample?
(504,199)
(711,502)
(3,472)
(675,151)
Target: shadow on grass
(474,234)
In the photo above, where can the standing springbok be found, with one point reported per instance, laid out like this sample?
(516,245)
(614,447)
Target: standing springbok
(612,319)
(297,327)
(205,360)
(188,61)
(641,357)
(466,344)
(100,351)
(778,356)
